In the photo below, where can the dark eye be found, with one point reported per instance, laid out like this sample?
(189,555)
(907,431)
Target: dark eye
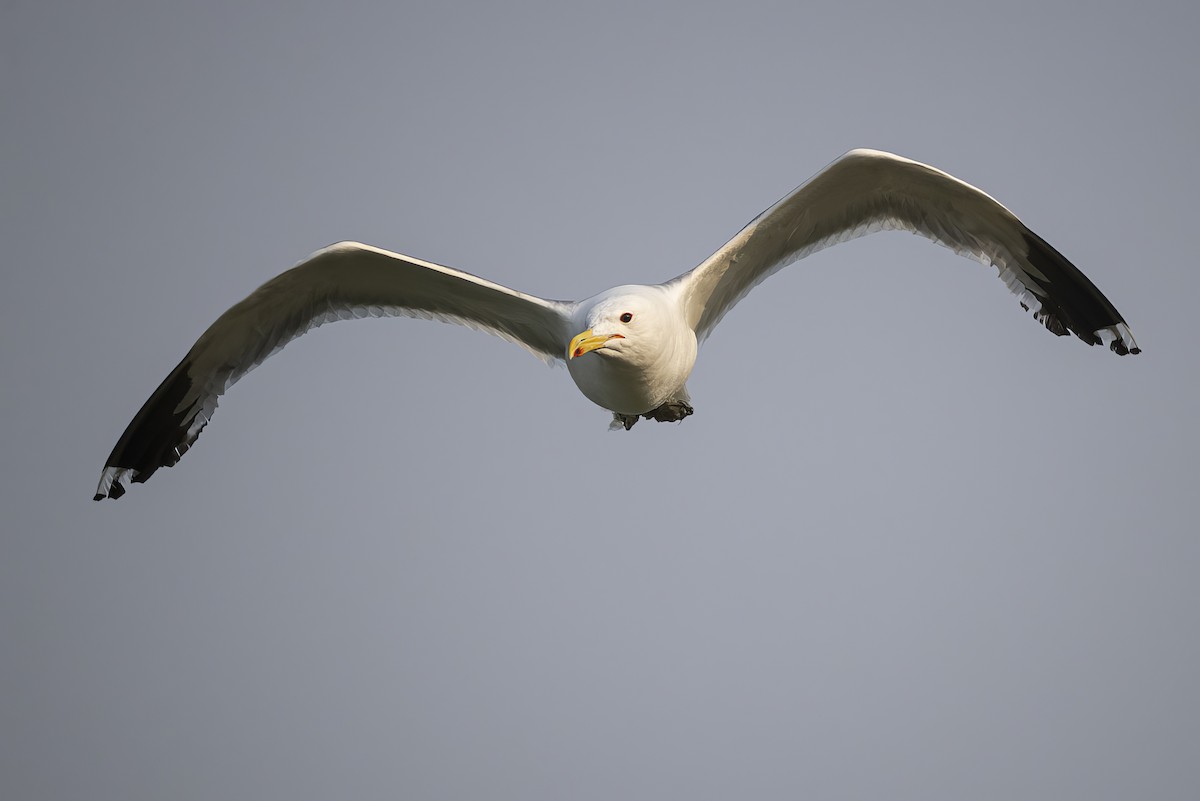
(626,317)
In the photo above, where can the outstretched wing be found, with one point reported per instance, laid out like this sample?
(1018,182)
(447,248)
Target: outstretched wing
(342,282)
(868,190)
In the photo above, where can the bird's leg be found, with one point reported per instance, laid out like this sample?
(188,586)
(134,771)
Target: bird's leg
(669,412)
(624,421)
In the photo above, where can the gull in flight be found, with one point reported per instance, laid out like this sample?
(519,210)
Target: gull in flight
(629,349)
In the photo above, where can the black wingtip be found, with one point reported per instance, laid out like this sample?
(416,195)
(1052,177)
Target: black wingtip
(110,485)
(1070,302)
(156,437)
(1119,347)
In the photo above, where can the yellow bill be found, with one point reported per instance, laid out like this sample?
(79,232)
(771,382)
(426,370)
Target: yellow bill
(589,341)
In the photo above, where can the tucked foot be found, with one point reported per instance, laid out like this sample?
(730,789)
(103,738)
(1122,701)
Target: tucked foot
(669,412)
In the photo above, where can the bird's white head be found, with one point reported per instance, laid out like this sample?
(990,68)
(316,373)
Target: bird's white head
(623,323)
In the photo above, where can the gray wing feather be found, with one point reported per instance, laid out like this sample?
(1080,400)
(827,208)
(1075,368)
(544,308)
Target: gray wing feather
(868,190)
(344,281)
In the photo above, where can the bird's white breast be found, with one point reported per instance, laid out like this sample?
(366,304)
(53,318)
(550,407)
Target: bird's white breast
(617,386)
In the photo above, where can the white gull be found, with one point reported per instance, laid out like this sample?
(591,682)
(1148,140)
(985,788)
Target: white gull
(629,349)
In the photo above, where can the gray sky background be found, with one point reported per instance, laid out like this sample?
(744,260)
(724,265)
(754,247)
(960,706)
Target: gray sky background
(910,546)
